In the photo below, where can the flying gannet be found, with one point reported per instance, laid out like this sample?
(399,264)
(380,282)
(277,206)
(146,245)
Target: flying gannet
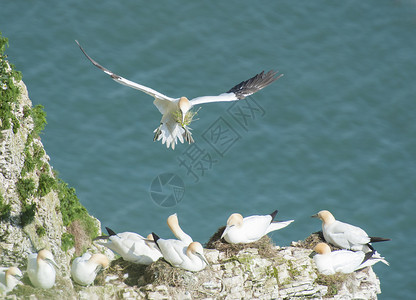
(41,269)
(180,255)
(342,261)
(9,278)
(345,236)
(250,229)
(177,113)
(131,246)
(85,268)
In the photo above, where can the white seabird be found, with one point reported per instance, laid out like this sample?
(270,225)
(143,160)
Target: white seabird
(131,246)
(173,224)
(41,269)
(177,114)
(344,235)
(9,278)
(86,267)
(180,255)
(241,230)
(343,261)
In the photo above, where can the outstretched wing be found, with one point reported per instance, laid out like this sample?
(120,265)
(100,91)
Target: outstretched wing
(241,90)
(127,82)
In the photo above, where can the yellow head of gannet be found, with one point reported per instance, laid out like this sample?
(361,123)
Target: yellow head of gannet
(322,248)
(184,107)
(173,224)
(235,219)
(100,259)
(196,248)
(325,216)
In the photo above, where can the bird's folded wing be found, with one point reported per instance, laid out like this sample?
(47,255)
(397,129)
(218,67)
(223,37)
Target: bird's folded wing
(125,81)
(241,90)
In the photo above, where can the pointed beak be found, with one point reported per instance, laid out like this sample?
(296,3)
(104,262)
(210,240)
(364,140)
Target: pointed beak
(225,231)
(313,253)
(53,263)
(203,258)
(183,117)
(315,216)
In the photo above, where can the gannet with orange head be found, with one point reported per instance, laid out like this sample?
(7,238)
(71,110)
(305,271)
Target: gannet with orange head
(85,268)
(176,112)
(131,246)
(344,235)
(342,261)
(9,278)
(41,269)
(250,229)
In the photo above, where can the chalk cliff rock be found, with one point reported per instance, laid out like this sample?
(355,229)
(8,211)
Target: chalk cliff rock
(37,211)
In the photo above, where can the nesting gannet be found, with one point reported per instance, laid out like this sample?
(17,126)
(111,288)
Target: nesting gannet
(250,229)
(41,269)
(343,261)
(344,235)
(177,114)
(173,224)
(86,267)
(131,246)
(9,278)
(180,255)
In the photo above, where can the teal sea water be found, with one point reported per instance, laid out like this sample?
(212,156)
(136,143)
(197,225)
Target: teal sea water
(337,132)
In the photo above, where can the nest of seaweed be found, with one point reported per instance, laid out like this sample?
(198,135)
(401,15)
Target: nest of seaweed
(265,245)
(120,267)
(311,241)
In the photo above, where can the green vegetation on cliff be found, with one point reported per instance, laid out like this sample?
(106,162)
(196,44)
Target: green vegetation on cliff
(36,179)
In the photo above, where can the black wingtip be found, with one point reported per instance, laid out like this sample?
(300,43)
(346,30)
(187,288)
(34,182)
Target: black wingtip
(110,232)
(368,255)
(375,239)
(254,84)
(273,214)
(156,238)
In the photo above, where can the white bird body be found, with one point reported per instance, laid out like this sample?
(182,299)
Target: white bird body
(344,235)
(181,255)
(86,267)
(41,269)
(250,229)
(9,278)
(176,111)
(132,247)
(343,261)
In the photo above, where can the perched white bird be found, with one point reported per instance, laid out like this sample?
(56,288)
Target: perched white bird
(344,235)
(177,114)
(343,261)
(173,224)
(86,267)
(180,255)
(241,230)
(9,278)
(131,246)
(41,269)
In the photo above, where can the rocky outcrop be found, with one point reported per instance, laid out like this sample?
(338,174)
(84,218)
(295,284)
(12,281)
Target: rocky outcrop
(37,210)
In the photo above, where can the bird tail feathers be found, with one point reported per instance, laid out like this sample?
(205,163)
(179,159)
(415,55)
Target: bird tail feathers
(278,225)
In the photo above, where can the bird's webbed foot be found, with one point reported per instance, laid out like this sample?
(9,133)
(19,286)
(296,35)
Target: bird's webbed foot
(157,132)
(188,135)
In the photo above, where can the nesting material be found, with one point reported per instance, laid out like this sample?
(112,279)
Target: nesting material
(265,245)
